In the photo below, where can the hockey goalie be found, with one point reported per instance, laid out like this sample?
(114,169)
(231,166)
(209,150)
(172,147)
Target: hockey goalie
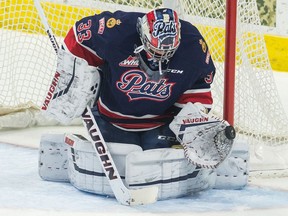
(141,83)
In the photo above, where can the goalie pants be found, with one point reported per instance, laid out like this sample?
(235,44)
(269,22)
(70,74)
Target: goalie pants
(161,137)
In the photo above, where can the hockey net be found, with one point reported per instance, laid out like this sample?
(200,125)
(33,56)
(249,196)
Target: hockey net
(28,63)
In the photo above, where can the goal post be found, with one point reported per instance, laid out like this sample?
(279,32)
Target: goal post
(252,105)
(230,58)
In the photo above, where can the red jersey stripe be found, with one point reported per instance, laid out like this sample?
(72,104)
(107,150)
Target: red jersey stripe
(204,97)
(80,51)
(135,127)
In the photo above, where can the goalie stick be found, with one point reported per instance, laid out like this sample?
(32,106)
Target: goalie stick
(123,194)
(46,25)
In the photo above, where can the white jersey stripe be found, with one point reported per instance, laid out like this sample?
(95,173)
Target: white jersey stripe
(191,91)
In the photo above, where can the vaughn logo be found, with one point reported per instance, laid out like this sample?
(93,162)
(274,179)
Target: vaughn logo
(137,86)
(131,61)
(195,120)
(51,91)
(99,146)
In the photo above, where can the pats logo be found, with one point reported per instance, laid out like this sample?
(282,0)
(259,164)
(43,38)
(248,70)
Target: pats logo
(163,30)
(136,85)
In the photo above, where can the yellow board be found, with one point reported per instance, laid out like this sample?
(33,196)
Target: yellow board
(21,15)
(278,52)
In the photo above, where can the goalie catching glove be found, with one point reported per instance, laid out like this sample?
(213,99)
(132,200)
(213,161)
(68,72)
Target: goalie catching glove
(207,140)
(74,86)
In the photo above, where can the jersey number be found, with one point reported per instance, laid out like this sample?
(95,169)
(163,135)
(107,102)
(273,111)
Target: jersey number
(84,31)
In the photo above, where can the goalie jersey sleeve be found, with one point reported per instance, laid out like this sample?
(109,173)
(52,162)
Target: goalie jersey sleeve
(129,99)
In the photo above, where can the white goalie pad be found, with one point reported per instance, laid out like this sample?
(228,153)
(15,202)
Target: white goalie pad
(74,86)
(206,139)
(72,158)
(85,171)
(233,173)
(167,168)
(176,177)
(53,159)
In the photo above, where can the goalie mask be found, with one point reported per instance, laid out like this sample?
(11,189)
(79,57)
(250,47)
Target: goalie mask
(159,32)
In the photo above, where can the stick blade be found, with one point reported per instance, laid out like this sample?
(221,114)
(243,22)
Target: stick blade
(144,196)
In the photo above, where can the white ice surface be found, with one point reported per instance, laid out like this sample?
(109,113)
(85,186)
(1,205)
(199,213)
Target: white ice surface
(24,193)
(22,189)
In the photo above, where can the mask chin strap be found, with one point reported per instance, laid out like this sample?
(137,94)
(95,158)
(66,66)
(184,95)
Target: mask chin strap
(138,49)
(160,68)
(145,67)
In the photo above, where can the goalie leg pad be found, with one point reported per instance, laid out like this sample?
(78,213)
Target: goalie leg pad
(85,170)
(233,172)
(169,170)
(166,168)
(72,158)
(53,158)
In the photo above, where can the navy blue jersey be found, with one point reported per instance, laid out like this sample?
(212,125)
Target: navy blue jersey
(129,98)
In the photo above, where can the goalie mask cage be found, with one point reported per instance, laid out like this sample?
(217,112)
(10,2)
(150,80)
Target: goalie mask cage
(28,63)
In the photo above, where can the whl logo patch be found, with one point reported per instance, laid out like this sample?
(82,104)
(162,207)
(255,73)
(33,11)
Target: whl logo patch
(131,61)
(136,85)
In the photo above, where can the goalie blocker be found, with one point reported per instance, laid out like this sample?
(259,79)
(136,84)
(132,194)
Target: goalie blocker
(71,158)
(74,86)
